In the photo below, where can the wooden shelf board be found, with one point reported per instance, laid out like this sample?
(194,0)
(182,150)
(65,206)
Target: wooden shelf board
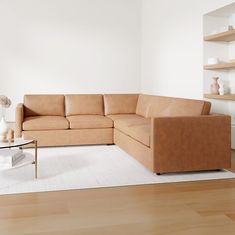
(227,36)
(230,65)
(220,97)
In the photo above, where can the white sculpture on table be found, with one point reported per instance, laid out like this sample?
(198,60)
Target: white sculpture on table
(4,104)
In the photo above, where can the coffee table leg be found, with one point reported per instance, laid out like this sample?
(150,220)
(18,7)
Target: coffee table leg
(36,158)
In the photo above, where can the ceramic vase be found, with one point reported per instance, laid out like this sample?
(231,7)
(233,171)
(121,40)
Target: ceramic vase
(3,130)
(10,136)
(215,86)
(221,89)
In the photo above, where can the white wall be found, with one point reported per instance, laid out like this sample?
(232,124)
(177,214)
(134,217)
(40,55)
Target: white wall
(93,46)
(69,46)
(172,46)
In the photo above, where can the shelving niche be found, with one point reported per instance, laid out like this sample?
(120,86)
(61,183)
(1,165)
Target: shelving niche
(220,45)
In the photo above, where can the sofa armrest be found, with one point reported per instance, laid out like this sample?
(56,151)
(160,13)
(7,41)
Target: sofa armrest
(191,143)
(19,118)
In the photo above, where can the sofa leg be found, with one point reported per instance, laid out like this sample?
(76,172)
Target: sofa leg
(158,173)
(110,144)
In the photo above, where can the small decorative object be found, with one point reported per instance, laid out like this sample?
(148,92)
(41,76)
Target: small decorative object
(215,86)
(221,88)
(230,27)
(4,104)
(10,136)
(212,61)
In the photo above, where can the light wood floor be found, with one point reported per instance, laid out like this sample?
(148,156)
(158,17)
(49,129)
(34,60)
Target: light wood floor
(181,209)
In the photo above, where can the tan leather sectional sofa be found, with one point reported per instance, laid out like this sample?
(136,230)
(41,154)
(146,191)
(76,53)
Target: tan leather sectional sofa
(165,134)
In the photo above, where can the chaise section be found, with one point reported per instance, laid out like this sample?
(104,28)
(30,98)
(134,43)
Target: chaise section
(45,123)
(191,143)
(89,122)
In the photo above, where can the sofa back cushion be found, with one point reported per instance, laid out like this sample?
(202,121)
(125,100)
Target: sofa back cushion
(44,105)
(84,104)
(157,106)
(120,103)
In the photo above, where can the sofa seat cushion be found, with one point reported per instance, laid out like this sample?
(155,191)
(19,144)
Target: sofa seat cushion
(140,133)
(123,116)
(89,121)
(138,128)
(45,123)
(133,121)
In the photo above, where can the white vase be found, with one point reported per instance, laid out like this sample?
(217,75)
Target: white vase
(3,130)
(221,88)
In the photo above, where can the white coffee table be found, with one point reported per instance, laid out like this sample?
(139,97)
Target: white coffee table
(19,143)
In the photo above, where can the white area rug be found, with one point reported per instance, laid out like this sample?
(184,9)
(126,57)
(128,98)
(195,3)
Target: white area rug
(88,167)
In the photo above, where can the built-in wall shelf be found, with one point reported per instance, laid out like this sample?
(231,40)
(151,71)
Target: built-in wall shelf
(222,66)
(227,36)
(220,97)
